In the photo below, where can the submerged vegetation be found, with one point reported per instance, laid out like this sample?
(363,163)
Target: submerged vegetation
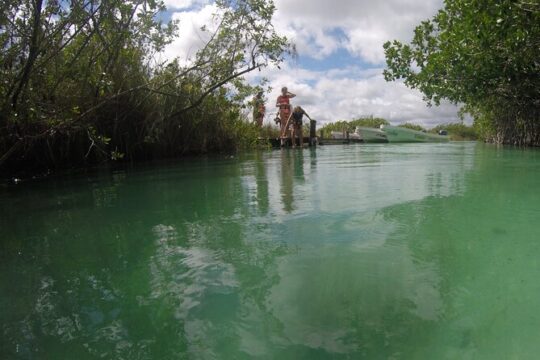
(81,81)
(484,55)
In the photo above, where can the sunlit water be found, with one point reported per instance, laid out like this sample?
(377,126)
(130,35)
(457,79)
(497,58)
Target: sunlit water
(428,251)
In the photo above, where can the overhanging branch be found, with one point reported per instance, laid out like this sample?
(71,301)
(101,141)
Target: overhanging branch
(212,88)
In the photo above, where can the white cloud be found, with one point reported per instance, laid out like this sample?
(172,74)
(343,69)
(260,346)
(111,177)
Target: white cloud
(184,4)
(191,38)
(365,24)
(344,94)
(177,4)
(319,28)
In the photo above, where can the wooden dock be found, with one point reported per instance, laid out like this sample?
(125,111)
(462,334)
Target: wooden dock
(276,142)
(339,141)
(311,140)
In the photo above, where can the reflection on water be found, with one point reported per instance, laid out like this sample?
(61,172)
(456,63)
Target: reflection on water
(261,180)
(384,251)
(292,171)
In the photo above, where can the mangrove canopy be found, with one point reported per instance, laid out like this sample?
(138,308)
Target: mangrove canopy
(82,81)
(484,55)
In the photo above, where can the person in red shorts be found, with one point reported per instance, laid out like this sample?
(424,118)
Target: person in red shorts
(284,105)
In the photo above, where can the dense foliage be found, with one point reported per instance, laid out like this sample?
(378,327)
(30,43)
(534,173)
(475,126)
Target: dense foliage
(412,126)
(483,54)
(80,82)
(457,131)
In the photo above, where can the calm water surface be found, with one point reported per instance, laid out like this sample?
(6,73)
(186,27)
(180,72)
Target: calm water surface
(428,251)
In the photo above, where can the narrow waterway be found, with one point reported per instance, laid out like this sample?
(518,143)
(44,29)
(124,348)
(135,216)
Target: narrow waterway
(409,251)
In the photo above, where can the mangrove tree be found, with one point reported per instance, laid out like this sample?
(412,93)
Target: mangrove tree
(481,54)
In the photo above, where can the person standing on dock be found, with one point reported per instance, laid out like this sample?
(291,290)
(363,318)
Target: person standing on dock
(259,109)
(297,115)
(284,105)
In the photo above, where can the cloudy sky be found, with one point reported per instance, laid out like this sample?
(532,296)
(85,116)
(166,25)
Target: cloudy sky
(338,72)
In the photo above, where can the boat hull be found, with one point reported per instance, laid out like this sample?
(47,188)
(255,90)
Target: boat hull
(338,135)
(401,134)
(371,135)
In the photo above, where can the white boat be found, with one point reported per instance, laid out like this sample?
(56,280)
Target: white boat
(370,135)
(339,135)
(401,134)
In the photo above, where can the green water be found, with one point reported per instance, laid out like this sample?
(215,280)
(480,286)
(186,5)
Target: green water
(428,251)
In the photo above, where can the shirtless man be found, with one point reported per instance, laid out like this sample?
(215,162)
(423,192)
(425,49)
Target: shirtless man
(297,115)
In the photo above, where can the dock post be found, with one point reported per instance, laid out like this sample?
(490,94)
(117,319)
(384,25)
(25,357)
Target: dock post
(312,133)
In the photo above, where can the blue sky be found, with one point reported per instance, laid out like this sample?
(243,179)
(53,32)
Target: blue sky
(338,72)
